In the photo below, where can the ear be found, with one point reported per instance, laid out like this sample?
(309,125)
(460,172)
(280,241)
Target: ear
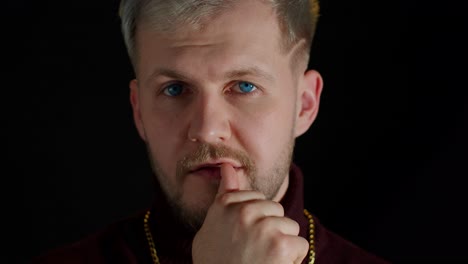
(135,101)
(308,99)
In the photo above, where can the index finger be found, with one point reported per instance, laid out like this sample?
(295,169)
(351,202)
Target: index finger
(229,179)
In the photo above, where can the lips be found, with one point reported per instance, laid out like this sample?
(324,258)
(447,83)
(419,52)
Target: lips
(215,164)
(206,166)
(211,170)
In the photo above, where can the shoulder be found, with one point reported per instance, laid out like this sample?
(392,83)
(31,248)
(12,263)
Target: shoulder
(78,252)
(99,247)
(333,249)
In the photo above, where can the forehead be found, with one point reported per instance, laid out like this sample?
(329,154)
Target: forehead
(245,36)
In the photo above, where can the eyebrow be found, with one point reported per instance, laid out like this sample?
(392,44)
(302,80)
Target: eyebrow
(233,74)
(253,71)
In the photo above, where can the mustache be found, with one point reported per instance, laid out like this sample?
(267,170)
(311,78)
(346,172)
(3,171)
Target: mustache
(206,152)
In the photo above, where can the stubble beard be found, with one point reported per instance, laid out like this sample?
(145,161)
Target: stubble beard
(192,218)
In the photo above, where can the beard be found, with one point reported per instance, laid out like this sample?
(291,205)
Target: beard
(192,216)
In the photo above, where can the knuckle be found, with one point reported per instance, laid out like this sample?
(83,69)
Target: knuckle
(304,244)
(287,247)
(246,213)
(280,208)
(265,227)
(295,227)
(279,246)
(301,245)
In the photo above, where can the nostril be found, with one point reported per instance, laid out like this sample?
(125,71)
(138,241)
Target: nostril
(211,131)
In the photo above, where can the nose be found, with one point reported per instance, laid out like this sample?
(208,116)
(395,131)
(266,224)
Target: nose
(209,121)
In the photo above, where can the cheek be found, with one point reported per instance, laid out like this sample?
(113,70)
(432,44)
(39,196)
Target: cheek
(264,131)
(162,133)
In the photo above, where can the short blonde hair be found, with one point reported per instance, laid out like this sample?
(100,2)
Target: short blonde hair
(297,19)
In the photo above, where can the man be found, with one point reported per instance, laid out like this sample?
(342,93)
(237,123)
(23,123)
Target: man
(221,92)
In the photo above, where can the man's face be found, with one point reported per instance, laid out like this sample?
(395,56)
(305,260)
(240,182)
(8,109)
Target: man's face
(224,94)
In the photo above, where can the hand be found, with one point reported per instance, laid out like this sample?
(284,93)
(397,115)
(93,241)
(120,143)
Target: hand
(244,227)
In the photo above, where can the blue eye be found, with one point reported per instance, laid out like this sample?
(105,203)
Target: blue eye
(174,89)
(247,87)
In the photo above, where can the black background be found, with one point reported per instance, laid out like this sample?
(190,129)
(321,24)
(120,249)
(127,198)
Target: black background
(385,161)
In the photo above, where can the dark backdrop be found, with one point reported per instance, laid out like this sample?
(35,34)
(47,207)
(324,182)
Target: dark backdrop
(385,162)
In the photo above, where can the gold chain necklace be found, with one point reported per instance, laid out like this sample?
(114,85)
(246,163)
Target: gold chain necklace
(154,255)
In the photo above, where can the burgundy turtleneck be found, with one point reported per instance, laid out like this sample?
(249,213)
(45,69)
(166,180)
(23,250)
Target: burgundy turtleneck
(125,241)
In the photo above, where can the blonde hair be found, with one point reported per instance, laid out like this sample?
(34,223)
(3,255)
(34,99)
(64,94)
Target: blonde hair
(297,19)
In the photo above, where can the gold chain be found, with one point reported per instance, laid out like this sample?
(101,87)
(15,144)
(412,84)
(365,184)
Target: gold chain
(149,237)
(311,237)
(154,255)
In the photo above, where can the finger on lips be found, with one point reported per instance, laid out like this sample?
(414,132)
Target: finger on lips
(229,179)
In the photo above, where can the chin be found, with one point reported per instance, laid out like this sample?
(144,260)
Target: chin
(198,193)
(192,215)
(199,201)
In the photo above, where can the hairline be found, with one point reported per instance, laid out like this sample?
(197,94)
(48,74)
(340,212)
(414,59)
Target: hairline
(290,40)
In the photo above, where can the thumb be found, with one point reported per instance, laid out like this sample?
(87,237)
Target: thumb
(229,180)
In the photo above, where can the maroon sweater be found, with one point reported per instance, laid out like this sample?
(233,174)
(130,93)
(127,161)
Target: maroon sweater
(125,241)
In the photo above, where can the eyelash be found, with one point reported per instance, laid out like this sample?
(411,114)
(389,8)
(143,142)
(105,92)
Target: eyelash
(184,85)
